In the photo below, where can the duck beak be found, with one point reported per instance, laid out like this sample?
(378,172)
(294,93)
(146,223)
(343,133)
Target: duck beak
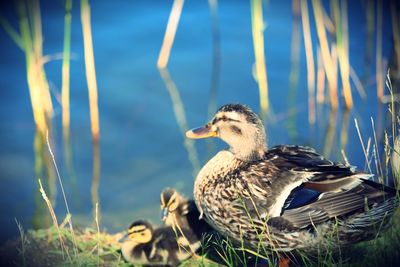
(164,214)
(202,132)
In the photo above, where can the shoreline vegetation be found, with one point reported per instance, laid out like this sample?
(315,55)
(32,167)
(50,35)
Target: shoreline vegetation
(65,244)
(92,248)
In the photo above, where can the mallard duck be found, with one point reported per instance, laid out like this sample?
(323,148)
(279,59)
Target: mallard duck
(180,211)
(160,246)
(287,197)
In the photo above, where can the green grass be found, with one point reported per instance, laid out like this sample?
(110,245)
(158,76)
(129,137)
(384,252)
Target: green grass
(102,249)
(43,248)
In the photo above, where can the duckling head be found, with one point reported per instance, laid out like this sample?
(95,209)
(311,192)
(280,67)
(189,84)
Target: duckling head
(140,232)
(170,201)
(239,127)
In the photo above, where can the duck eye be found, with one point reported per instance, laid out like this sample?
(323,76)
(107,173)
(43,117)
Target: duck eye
(236,129)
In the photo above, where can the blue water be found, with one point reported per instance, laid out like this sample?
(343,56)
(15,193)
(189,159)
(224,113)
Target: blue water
(141,144)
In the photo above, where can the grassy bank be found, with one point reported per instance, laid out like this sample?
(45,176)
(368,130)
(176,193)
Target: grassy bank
(92,248)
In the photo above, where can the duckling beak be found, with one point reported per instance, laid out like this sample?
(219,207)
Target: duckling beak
(202,132)
(164,214)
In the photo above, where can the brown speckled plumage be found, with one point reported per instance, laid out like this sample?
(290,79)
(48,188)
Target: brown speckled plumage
(250,193)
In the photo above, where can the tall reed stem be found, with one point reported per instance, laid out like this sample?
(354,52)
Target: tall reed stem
(90,69)
(379,68)
(310,61)
(257,23)
(169,36)
(38,108)
(326,56)
(65,69)
(396,31)
(340,15)
(36,24)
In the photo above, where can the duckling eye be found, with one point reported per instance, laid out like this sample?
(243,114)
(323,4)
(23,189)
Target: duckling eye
(172,205)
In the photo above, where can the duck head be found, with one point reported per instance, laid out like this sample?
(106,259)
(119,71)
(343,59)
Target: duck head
(239,127)
(140,232)
(170,200)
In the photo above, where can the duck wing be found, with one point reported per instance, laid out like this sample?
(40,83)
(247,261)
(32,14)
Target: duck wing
(330,189)
(292,177)
(364,198)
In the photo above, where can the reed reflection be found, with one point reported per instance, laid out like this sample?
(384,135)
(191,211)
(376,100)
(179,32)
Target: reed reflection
(329,139)
(44,170)
(294,70)
(180,116)
(215,68)
(94,189)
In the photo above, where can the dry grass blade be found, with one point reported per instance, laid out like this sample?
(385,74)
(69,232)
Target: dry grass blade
(63,193)
(23,241)
(376,153)
(392,106)
(54,218)
(169,36)
(362,144)
(90,69)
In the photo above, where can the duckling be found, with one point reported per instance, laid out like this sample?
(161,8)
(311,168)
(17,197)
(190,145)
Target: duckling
(180,211)
(287,197)
(160,246)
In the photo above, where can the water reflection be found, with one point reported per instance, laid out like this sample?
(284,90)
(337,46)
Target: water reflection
(294,70)
(44,170)
(215,68)
(344,132)
(179,112)
(330,133)
(69,166)
(94,189)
